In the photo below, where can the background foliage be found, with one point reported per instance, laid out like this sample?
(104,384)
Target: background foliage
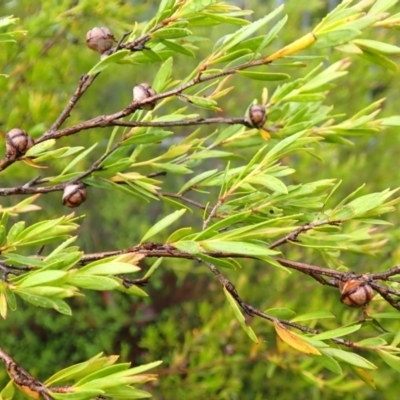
(186,321)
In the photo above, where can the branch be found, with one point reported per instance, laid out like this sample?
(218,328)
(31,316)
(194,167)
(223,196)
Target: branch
(251,311)
(22,378)
(292,236)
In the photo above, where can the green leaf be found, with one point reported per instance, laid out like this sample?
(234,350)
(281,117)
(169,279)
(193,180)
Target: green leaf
(379,60)
(40,147)
(8,391)
(245,32)
(329,363)
(103,372)
(179,234)
(15,230)
(350,358)
(381,6)
(174,168)
(201,102)
(264,76)
(81,395)
(134,290)
(230,56)
(78,370)
(390,359)
(313,315)
(164,223)
(239,316)
(39,301)
(188,246)
(385,315)
(372,342)
(153,268)
(335,37)
(176,47)
(270,182)
(152,135)
(390,121)
(281,313)
(107,61)
(17,259)
(40,278)
(377,47)
(228,263)
(335,333)
(77,159)
(194,6)
(198,178)
(11,301)
(237,248)
(126,392)
(170,33)
(109,268)
(163,75)
(86,281)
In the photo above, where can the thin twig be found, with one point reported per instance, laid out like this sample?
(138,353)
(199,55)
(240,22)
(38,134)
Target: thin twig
(23,378)
(292,236)
(213,213)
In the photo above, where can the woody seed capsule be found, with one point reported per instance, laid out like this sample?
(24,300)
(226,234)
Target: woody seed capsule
(355,293)
(142,92)
(74,195)
(100,39)
(257,116)
(17,143)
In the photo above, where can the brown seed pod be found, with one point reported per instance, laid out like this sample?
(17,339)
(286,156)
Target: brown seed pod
(74,195)
(257,116)
(142,92)
(17,143)
(100,39)
(355,293)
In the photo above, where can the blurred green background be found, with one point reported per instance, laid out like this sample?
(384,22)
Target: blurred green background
(185,321)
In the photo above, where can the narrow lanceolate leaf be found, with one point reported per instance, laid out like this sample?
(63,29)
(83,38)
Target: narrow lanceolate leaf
(77,371)
(164,223)
(81,395)
(106,62)
(264,76)
(294,341)
(390,359)
(329,363)
(163,75)
(364,376)
(3,305)
(336,37)
(313,315)
(40,147)
(171,33)
(201,102)
(350,358)
(86,281)
(41,278)
(337,332)
(245,32)
(109,268)
(237,248)
(378,47)
(239,316)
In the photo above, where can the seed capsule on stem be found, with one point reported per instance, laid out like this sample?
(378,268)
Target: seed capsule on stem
(142,92)
(17,143)
(100,39)
(355,293)
(74,195)
(257,116)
